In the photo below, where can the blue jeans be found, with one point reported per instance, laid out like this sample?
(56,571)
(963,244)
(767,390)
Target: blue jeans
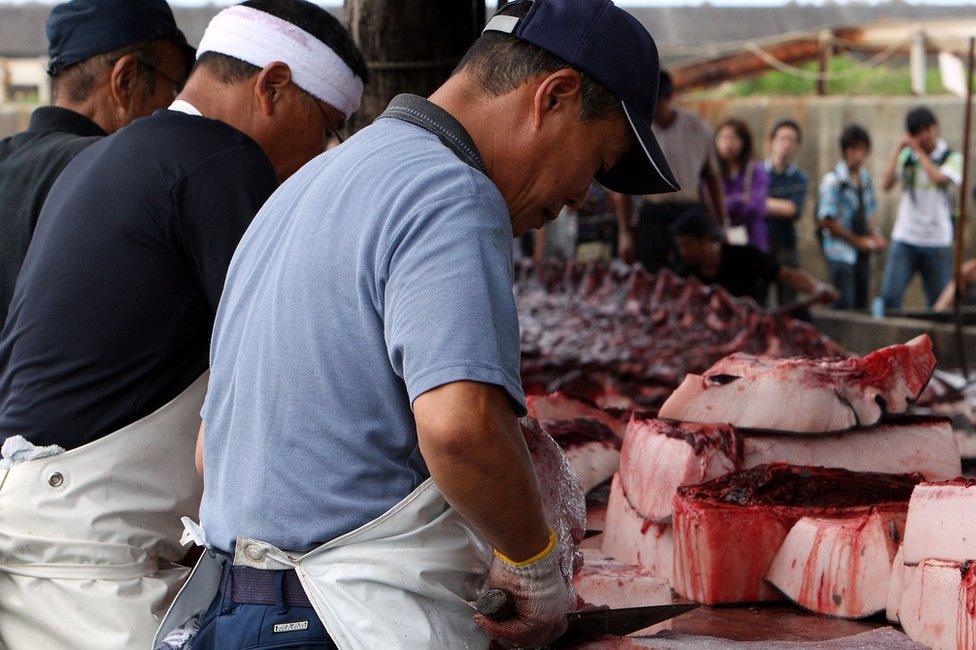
(852,282)
(904,260)
(230,626)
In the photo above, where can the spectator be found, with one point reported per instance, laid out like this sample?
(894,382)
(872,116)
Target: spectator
(845,209)
(744,271)
(929,173)
(745,184)
(787,193)
(686,142)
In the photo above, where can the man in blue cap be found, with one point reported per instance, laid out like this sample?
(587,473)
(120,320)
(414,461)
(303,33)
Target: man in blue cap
(105,350)
(361,427)
(111,61)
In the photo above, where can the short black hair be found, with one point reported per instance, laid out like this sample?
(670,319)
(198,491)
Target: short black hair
(787,123)
(853,135)
(695,222)
(78,81)
(499,63)
(919,119)
(665,86)
(305,15)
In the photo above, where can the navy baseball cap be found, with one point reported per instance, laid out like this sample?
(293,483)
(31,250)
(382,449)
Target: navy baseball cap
(611,46)
(80,29)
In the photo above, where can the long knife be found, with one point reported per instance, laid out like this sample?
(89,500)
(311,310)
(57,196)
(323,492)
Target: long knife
(498,605)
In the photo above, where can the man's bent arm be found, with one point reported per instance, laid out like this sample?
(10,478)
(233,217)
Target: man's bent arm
(198,454)
(781,208)
(474,448)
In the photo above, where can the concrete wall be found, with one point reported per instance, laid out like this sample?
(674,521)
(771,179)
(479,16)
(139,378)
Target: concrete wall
(822,119)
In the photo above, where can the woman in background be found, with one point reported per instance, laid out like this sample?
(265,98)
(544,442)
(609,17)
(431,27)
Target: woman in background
(745,182)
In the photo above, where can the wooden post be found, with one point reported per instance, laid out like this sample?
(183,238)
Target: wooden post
(964,208)
(917,63)
(409,45)
(826,52)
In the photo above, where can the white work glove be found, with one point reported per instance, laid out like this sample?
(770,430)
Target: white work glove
(541,598)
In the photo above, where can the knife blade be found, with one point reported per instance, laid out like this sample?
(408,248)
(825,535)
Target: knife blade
(498,605)
(590,624)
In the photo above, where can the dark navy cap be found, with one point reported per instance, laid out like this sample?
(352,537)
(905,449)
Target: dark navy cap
(611,46)
(80,29)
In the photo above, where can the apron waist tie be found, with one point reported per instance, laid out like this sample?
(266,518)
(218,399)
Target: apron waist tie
(250,586)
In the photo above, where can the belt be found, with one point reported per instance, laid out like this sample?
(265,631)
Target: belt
(250,586)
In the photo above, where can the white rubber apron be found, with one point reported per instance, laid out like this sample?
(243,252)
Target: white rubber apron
(402,581)
(88,539)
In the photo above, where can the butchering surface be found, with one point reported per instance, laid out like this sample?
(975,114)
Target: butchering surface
(625,338)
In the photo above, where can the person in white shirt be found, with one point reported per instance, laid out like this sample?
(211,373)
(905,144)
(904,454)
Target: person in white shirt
(929,173)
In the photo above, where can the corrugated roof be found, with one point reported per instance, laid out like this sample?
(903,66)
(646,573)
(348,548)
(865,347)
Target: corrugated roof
(681,32)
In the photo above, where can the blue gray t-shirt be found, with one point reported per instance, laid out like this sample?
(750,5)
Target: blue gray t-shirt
(380,271)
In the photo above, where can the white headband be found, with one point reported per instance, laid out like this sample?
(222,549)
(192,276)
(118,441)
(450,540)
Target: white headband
(259,38)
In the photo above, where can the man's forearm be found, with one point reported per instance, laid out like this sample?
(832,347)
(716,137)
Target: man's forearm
(476,454)
(891,174)
(934,173)
(799,281)
(780,208)
(834,228)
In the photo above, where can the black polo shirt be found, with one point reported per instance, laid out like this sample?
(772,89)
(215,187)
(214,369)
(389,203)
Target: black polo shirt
(30,162)
(744,271)
(113,311)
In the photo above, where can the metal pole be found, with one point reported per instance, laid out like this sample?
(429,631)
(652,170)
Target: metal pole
(963,210)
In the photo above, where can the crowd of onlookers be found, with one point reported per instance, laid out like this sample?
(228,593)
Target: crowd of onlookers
(736,219)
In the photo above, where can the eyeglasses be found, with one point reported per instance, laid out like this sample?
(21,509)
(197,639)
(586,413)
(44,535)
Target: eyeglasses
(330,130)
(177,85)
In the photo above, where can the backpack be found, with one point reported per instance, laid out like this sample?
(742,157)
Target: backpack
(908,171)
(818,227)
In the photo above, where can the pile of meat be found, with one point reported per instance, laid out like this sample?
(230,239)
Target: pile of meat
(932,591)
(623,338)
(765,479)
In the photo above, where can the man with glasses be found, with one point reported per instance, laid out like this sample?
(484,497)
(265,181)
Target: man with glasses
(112,61)
(105,350)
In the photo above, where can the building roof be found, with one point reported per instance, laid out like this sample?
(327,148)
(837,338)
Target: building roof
(681,32)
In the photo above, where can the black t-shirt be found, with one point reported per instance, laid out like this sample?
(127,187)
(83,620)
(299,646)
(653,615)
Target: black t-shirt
(30,162)
(112,313)
(744,271)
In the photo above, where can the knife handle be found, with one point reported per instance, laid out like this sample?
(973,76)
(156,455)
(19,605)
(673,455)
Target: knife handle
(496,605)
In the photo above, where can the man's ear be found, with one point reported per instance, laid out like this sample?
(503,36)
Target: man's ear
(560,91)
(123,82)
(271,84)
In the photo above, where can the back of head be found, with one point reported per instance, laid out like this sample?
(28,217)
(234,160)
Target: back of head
(695,222)
(854,135)
(665,86)
(107,58)
(499,63)
(289,72)
(308,17)
(919,119)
